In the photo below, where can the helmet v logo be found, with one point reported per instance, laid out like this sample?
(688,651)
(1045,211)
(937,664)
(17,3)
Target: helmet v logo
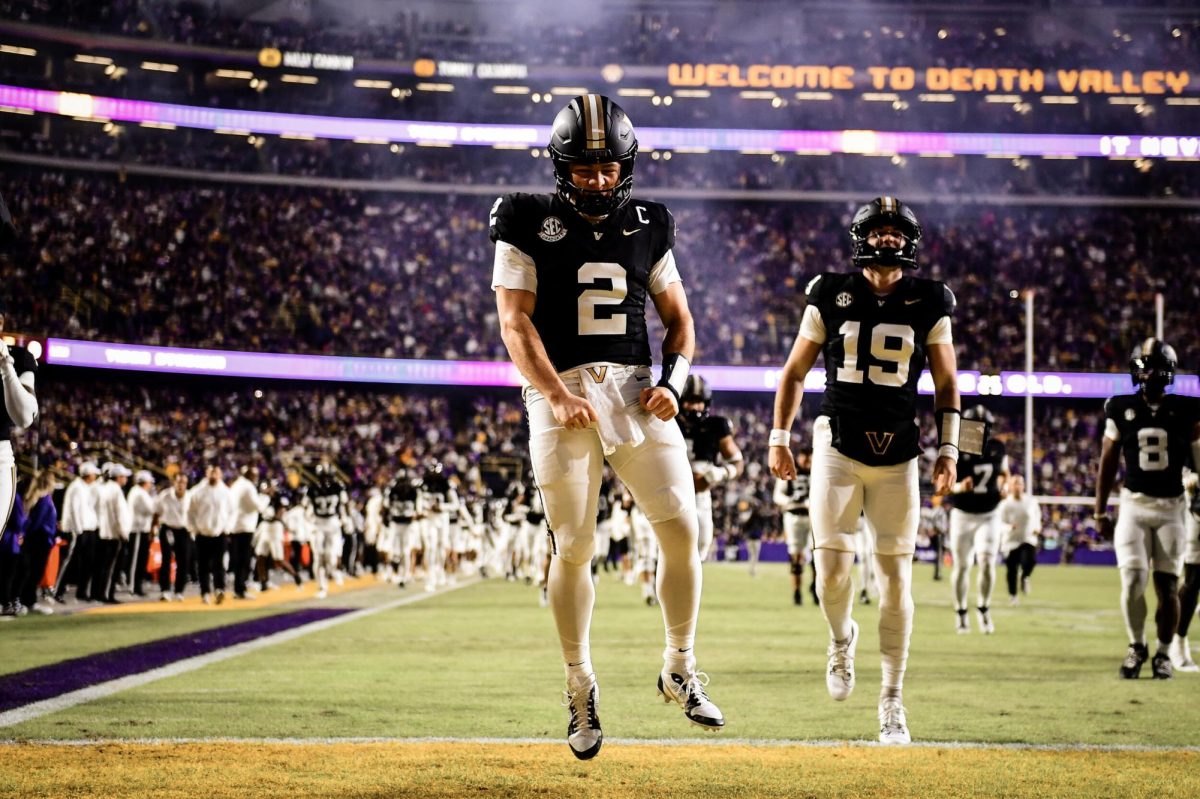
(879,441)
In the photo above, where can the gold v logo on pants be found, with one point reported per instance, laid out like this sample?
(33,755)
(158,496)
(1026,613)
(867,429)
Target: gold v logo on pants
(597,373)
(879,441)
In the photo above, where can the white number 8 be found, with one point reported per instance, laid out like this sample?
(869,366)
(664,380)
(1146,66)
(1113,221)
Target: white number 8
(589,324)
(1152,449)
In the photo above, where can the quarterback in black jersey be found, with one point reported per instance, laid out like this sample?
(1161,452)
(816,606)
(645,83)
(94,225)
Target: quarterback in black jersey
(18,369)
(975,523)
(1158,433)
(573,272)
(876,328)
(714,454)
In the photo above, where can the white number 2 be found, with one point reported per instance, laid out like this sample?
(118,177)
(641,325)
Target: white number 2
(589,324)
(1152,449)
(849,372)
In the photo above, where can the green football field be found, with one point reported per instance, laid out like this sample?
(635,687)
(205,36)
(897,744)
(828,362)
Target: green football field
(482,662)
(457,694)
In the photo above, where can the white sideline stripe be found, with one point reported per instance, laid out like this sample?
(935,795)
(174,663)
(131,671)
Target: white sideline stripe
(100,690)
(666,742)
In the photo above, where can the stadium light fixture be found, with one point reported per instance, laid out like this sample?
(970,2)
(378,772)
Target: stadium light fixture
(306,79)
(1002,98)
(880,97)
(1059,99)
(636,92)
(695,93)
(570,91)
(366,83)
(937,98)
(234,74)
(12,49)
(101,60)
(435,87)
(510,90)
(1126,100)
(158,66)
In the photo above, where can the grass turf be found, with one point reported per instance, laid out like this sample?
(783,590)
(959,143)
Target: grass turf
(483,661)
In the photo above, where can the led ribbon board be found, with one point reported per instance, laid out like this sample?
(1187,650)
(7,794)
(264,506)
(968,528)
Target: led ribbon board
(868,142)
(279,366)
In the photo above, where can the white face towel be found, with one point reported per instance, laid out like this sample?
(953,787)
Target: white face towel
(614,391)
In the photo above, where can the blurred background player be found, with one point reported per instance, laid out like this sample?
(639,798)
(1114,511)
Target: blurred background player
(329,500)
(864,547)
(935,525)
(268,539)
(440,502)
(1020,519)
(713,453)
(974,531)
(1158,434)
(402,502)
(792,498)
(1189,589)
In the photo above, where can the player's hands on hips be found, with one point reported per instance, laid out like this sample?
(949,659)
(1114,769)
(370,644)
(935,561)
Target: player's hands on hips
(660,402)
(783,465)
(944,473)
(572,412)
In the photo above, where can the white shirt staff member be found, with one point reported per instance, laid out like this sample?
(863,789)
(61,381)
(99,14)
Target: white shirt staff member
(210,517)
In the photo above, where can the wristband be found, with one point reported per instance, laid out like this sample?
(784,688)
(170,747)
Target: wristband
(674,374)
(780,438)
(948,451)
(1098,516)
(948,420)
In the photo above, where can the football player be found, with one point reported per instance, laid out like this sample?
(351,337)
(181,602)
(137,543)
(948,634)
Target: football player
(268,538)
(402,503)
(974,524)
(330,502)
(714,454)
(792,497)
(18,368)
(440,501)
(573,272)
(876,328)
(1189,590)
(1154,430)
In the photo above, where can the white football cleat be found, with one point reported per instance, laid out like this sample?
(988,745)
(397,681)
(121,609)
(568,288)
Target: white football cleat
(839,679)
(687,691)
(584,735)
(322,594)
(1181,655)
(986,625)
(962,626)
(893,726)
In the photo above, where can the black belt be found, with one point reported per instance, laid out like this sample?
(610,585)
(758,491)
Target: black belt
(800,512)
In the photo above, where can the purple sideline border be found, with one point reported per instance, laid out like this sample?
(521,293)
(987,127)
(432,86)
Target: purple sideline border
(385,130)
(278,366)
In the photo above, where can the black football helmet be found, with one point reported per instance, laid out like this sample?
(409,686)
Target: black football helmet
(592,129)
(1152,365)
(695,389)
(979,413)
(885,212)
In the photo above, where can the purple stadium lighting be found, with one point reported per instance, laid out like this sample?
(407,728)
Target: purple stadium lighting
(834,141)
(229,363)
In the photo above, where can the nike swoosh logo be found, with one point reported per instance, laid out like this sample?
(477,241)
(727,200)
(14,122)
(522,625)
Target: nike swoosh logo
(910,302)
(631,232)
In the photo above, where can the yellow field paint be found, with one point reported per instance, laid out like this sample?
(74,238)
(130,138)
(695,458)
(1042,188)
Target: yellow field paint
(286,593)
(218,770)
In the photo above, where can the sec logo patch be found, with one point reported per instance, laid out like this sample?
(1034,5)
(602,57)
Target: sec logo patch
(552,229)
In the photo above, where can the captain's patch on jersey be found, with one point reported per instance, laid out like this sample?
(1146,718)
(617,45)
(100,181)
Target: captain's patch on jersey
(552,229)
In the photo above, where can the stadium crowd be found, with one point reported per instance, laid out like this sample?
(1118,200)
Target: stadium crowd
(512,32)
(323,271)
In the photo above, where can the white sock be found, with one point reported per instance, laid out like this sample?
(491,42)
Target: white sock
(1133,603)
(571,596)
(895,617)
(679,580)
(835,589)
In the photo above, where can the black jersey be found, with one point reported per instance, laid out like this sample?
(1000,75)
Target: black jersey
(328,498)
(797,491)
(703,436)
(439,494)
(23,362)
(985,470)
(874,352)
(1156,443)
(592,280)
(400,501)
(537,513)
